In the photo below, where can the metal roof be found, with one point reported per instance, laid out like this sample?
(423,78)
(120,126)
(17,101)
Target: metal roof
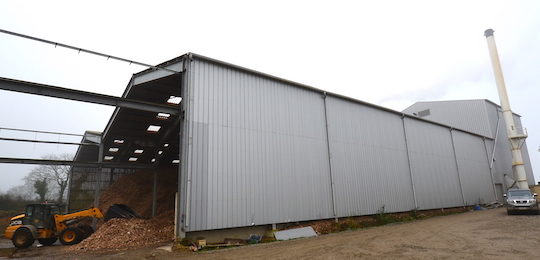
(127,129)
(131,125)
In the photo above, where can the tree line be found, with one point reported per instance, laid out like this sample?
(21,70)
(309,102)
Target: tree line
(44,183)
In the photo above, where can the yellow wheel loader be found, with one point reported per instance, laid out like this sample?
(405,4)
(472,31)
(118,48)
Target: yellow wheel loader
(45,223)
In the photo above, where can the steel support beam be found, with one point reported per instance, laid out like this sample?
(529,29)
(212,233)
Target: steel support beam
(37,131)
(44,142)
(84,96)
(154,193)
(76,164)
(86,51)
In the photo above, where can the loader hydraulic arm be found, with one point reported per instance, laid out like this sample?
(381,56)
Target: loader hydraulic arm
(63,221)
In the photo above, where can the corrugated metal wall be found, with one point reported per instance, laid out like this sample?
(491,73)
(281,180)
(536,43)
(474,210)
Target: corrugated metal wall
(436,180)
(469,115)
(473,165)
(257,151)
(479,116)
(369,159)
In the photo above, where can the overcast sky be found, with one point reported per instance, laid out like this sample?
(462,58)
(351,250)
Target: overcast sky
(390,53)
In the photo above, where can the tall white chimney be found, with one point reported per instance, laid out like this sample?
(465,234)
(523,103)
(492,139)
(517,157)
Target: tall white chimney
(514,136)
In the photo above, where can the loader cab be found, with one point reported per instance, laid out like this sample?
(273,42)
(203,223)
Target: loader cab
(41,215)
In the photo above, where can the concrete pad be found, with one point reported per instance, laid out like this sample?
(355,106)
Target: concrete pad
(295,233)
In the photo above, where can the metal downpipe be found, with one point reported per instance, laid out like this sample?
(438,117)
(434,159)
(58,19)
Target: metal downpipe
(457,166)
(332,185)
(409,162)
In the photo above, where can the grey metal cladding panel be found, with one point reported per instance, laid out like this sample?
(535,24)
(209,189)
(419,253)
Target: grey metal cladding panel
(493,114)
(265,159)
(473,166)
(369,159)
(503,155)
(434,168)
(469,115)
(489,146)
(503,159)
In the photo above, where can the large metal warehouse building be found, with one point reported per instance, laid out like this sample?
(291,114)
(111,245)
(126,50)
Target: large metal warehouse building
(254,150)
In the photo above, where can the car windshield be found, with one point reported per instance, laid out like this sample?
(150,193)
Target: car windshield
(520,193)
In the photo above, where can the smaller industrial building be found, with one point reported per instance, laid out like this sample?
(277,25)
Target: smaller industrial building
(253,150)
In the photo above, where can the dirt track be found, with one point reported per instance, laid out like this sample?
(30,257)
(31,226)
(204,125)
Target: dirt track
(472,235)
(480,234)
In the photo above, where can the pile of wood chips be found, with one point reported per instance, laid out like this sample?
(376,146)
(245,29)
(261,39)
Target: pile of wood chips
(135,191)
(121,233)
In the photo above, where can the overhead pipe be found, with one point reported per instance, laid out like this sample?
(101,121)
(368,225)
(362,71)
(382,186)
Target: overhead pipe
(516,139)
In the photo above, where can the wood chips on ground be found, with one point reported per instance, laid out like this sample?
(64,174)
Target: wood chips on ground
(121,233)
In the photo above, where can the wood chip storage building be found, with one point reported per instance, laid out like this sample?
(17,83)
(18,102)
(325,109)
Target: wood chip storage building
(255,150)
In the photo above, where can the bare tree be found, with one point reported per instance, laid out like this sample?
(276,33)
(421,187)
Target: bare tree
(56,176)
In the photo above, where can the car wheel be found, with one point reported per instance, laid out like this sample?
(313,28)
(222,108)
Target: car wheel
(22,238)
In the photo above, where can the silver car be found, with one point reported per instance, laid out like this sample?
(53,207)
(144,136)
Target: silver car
(521,200)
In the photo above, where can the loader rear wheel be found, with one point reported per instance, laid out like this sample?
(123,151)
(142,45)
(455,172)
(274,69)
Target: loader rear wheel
(47,241)
(22,238)
(71,236)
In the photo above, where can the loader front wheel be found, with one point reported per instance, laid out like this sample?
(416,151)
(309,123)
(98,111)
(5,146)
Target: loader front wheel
(71,236)
(22,238)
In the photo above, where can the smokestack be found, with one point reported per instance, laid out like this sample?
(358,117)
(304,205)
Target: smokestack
(516,139)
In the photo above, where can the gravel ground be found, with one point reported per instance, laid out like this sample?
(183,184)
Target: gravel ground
(487,234)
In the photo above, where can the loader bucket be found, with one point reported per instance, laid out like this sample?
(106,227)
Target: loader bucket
(120,211)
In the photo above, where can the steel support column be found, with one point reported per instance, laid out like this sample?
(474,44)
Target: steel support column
(98,174)
(180,199)
(154,193)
